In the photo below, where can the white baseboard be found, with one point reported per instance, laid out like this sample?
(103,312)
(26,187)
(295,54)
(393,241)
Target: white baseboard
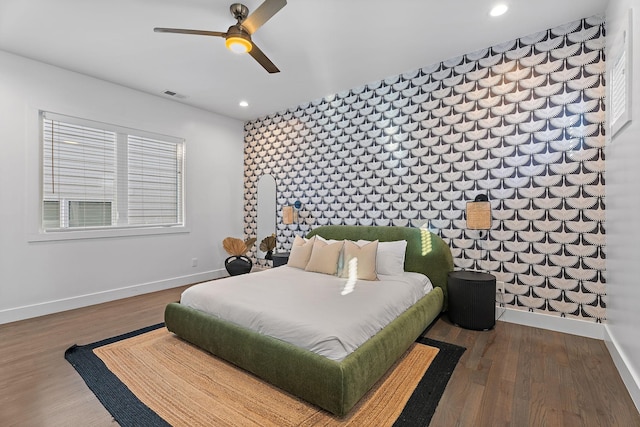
(56,306)
(553,323)
(631,380)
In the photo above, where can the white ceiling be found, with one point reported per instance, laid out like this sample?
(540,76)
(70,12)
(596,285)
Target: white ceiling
(321,46)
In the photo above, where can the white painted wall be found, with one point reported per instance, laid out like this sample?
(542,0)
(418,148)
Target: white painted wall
(623,233)
(42,277)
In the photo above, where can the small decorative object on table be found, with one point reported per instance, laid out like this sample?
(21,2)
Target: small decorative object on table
(280,258)
(267,245)
(238,262)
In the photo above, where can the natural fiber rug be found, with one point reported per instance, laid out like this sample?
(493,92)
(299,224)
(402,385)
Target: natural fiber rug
(152,378)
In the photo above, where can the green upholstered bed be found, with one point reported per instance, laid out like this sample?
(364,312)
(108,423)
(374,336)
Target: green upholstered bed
(332,385)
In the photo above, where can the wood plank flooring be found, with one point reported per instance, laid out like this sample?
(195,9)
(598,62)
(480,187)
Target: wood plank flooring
(38,387)
(511,376)
(516,375)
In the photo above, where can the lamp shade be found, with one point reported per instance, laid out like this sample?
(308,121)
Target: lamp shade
(287,215)
(238,44)
(478,215)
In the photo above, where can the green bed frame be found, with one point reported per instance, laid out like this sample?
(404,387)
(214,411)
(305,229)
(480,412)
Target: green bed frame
(334,386)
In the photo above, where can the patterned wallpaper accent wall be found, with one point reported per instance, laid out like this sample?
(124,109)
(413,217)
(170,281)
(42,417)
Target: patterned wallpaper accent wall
(522,122)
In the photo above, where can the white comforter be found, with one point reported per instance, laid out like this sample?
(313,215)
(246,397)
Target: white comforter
(308,309)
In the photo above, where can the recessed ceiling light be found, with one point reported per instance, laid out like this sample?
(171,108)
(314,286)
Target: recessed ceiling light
(498,10)
(244,104)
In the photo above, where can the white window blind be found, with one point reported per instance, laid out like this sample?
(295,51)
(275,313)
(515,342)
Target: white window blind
(97,175)
(79,167)
(155,181)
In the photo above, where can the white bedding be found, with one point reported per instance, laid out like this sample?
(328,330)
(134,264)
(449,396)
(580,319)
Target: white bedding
(307,309)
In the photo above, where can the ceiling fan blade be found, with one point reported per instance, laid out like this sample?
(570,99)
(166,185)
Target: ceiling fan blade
(262,59)
(195,32)
(262,14)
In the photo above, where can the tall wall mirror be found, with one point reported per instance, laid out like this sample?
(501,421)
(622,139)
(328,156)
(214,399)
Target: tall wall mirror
(266,210)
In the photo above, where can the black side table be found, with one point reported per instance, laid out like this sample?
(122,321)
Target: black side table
(280,258)
(472,299)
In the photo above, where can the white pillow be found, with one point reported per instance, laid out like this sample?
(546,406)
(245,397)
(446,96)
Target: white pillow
(390,256)
(328,241)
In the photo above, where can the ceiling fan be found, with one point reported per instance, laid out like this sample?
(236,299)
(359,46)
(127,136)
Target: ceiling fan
(238,36)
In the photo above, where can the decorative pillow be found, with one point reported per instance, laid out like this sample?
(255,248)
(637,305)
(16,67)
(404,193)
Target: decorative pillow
(361,259)
(324,257)
(390,256)
(340,257)
(300,252)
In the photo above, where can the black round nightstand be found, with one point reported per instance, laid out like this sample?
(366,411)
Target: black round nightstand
(280,258)
(472,299)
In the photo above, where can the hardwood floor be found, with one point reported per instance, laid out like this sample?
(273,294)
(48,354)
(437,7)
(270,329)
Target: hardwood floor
(38,387)
(511,376)
(516,375)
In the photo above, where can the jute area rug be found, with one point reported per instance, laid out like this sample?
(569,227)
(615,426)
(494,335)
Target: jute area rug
(152,378)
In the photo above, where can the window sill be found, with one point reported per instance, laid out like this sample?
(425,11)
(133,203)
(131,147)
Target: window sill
(104,233)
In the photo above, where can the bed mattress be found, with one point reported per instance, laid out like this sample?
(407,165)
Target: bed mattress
(309,310)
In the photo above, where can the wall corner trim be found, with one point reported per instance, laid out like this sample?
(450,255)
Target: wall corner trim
(631,380)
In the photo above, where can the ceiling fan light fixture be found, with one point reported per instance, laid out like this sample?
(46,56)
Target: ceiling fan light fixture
(237,38)
(238,44)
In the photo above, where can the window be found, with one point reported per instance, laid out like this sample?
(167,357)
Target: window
(104,176)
